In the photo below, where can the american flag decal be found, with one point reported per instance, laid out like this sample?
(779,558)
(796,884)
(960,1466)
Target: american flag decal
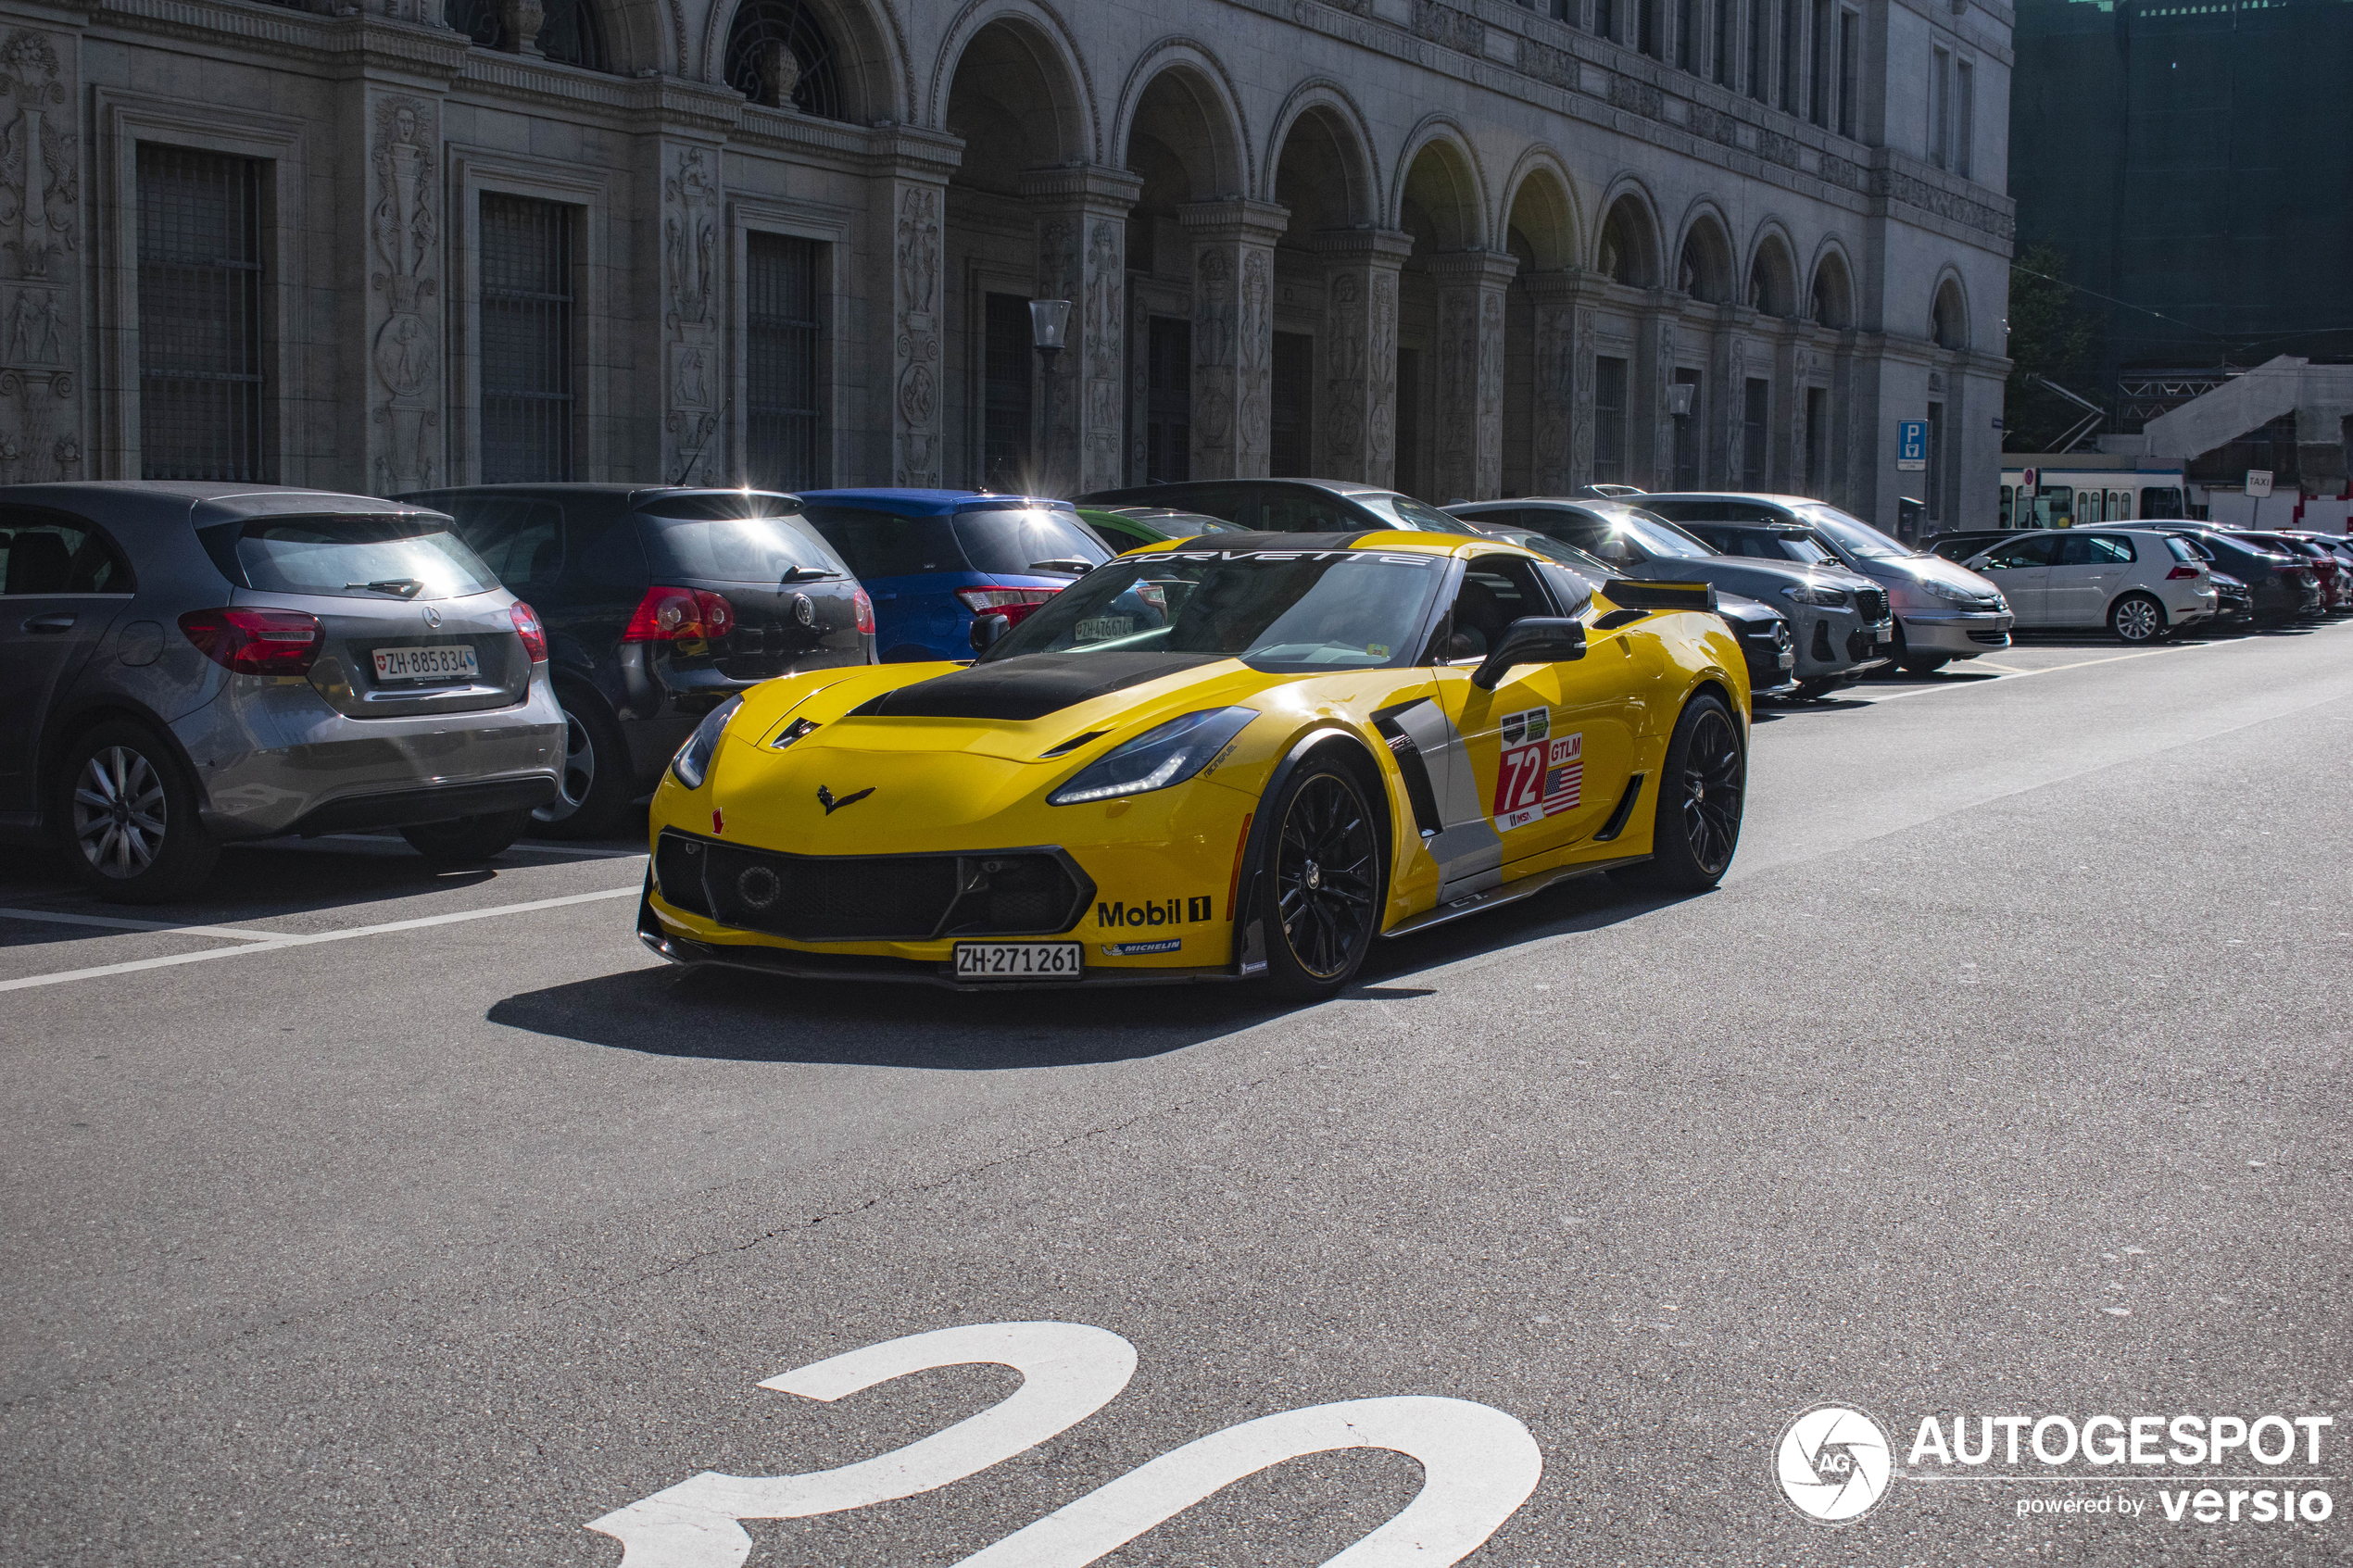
(1537,773)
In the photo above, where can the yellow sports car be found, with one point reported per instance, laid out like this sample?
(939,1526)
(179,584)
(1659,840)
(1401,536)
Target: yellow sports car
(1248,753)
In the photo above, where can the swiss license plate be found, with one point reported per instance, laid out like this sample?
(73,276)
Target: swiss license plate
(440,661)
(1018,960)
(1884,634)
(1102,628)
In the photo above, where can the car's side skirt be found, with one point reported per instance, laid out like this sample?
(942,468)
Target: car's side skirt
(1510,892)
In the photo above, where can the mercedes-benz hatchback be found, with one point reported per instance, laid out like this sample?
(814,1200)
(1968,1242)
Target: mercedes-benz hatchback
(182,665)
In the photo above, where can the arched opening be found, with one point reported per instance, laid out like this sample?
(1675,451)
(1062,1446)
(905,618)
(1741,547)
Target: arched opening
(1323,177)
(781,54)
(1772,279)
(1541,233)
(568,30)
(1628,253)
(1439,206)
(1948,320)
(1016,102)
(1183,144)
(1833,296)
(1705,269)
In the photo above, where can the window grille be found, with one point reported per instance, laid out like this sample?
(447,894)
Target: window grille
(1168,400)
(1005,418)
(1755,400)
(568,33)
(199,315)
(1609,421)
(527,340)
(781,416)
(1290,413)
(810,81)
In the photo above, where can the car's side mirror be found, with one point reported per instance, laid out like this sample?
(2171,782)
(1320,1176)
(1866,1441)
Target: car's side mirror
(987,629)
(1534,639)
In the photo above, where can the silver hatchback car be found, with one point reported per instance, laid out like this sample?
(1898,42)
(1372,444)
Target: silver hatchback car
(187,664)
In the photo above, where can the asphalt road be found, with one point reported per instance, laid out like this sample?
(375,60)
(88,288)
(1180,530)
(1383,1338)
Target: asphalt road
(2005,1075)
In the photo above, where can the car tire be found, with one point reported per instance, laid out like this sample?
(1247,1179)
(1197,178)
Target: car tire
(1703,787)
(2136,618)
(126,815)
(466,840)
(596,782)
(1322,887)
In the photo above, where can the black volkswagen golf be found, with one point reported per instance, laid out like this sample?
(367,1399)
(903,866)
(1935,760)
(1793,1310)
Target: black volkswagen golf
(660,604)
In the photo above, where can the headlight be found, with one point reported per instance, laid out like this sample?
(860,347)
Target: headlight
(1166,754)
(694,758)
(1968,599)
(1809,594)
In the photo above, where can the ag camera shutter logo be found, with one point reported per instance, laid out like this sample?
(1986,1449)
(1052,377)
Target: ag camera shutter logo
(1834,1464)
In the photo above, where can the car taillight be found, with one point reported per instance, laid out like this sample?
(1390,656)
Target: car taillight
(865,609)
(1013,604)
(257,642)
(527,627)
(2181,571)
(667,615)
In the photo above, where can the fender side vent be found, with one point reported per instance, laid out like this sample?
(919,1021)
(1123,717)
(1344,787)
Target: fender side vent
(1616,823)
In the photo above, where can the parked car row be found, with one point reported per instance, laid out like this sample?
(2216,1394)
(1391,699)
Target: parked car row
(187,665)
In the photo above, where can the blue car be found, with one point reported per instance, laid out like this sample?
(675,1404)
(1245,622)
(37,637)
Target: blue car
(935,559)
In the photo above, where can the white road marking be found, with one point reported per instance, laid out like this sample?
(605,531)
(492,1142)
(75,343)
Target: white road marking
(2020,675)
(279,943)
(1478,1464)
(120,922)
(1069,1371)
(509,850)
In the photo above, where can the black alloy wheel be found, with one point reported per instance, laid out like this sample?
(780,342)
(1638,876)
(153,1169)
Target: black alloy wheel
(129,817)
(1706,783)
(1325,875)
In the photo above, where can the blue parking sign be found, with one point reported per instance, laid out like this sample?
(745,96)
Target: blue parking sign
(1911,445)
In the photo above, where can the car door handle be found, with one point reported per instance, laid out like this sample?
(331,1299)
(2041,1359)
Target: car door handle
(50,625)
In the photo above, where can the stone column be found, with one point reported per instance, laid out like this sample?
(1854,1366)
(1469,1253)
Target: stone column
(403,298)
(1563,459)
(42,254)
(1647,419)
(1470,373)
(1357,433)
(1233,334)
(1082,256)
(916,414)
(694,439)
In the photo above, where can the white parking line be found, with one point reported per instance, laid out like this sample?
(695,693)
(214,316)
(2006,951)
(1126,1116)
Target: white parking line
(120,922)
(278,944)
(568,853)
(2021,675)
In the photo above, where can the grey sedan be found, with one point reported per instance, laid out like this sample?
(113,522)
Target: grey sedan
(185,664)
(1837,620)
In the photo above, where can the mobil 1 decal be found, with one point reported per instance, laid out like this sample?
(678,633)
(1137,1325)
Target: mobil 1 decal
(1539,771)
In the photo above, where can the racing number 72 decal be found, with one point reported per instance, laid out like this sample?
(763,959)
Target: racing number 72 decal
(1478,1464)
(1537,773)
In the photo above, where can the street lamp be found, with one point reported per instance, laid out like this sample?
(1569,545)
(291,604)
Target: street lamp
(1049,327)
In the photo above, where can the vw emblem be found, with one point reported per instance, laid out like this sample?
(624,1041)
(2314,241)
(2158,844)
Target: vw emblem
(803,611)
(433,618)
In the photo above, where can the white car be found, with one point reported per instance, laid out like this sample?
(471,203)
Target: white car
(2137,582)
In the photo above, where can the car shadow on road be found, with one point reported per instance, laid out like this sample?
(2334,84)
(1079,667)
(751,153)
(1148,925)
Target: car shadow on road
(745,1016)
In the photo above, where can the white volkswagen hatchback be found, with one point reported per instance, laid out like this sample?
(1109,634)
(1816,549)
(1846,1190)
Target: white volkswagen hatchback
(2137,582)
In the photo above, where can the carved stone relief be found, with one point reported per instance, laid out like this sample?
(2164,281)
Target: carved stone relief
(406,235)
(40,312)
(1489,476)
(1345,386)
(1104,317)
(915,401)
(1580,461)
(1254,353)
(1380,349)
(1214,318)
(1554,411)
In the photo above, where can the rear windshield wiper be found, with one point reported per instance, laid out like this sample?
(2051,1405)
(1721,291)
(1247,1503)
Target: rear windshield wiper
(1064,564)
(398,587)
(809,574)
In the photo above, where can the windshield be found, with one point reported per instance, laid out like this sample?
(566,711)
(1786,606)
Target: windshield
(1409,513)
(1852,533)
(1654,533)
(413,556)
(736,549)
(1273,610)
(1020,541)
(1544,545)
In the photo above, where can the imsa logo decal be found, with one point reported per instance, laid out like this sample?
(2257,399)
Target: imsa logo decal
(1160,911)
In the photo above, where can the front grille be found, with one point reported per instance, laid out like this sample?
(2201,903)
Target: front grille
(873,897)
(1991,639)
(1872,603)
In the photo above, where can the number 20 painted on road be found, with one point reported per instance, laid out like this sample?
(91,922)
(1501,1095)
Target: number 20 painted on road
(1478,1464)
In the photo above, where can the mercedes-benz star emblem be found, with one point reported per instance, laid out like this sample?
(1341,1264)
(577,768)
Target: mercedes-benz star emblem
(826,798)
(803,611)
(433,618)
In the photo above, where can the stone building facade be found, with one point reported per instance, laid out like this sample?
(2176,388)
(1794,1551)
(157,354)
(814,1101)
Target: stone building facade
(1466,246)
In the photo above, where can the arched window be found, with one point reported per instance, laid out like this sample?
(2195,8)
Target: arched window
(1946,322)
(567,30)
(778,55)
